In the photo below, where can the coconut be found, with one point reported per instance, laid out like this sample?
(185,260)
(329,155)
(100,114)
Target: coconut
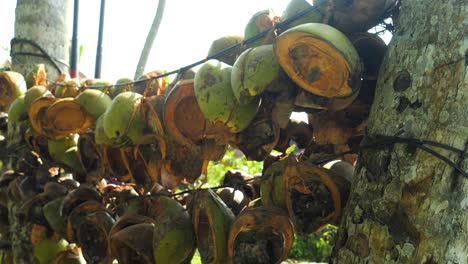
(94,101)
(12,85)
(216,98)
(296,6)
(223,43)
(320,59)
(256,71)
(66,116)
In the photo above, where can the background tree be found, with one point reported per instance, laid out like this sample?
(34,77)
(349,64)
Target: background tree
(41,36)
(407,206)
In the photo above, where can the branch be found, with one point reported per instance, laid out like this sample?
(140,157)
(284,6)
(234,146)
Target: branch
(150,39)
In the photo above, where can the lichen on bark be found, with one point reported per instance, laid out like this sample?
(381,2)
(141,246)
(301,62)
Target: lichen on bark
(408,206)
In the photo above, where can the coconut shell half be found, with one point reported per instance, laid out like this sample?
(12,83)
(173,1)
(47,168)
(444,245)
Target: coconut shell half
(66,116)
(12,85)
(320,59)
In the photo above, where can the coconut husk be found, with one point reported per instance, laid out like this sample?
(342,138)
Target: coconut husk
(38,76)
(223,43)
(38,114)
(260,235)
(358,15)
(320,59)
(148,86)
(65,117)
(12,85)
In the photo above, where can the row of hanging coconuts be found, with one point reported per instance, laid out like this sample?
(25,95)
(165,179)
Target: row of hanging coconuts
(96,182)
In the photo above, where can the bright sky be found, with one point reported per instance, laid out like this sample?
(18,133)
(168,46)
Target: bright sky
(185,35)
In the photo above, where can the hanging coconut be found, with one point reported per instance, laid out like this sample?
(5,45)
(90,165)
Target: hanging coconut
(256,71)
(88,152)
(35,92)
(312,196)
(223,43)
(66,116)
(57,147)
(371,49)
(67,88)
(38,114)
(38,76)
(104,86)
(121,85)
(174,238)
(320,59)
(94,102)
(358,15)
(47,249)
(17,110)
(261,136)
(186,123)
(12,85)
(121,117)
(130,240)
(260,235)
(212,220)
(261,21)
(295,7)
(92,235)
(310,102)
(100,136)
(148,85)
(216,99)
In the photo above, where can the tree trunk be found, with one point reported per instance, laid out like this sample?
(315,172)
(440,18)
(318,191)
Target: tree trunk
(41,36)
(407,206)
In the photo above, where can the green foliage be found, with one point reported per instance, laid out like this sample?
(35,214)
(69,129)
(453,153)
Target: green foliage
(232,160)
(314,247)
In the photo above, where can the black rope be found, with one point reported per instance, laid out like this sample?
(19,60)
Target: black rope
(43,54)
(382,141)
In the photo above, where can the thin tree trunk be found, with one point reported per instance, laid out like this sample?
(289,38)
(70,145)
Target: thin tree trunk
(41,36)
(150,39)
(408,206)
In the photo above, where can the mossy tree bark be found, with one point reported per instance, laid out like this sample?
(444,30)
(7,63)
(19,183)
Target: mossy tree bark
(45,24)
(408,206)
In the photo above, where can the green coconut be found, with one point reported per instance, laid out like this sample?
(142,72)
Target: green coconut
(12,85)
(255,71)
(122,85)
(261,21)
(69,88)
(174,238)
(57,147)
(296,6)
(320,59)
(17,110)
(72,160)
(94,101)
(46,250)
(212,220)
(99,135)
(122,120)
(223,43)
(35,92)
(216,98)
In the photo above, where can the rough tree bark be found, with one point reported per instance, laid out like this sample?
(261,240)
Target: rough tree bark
(44,23)
(408,206)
